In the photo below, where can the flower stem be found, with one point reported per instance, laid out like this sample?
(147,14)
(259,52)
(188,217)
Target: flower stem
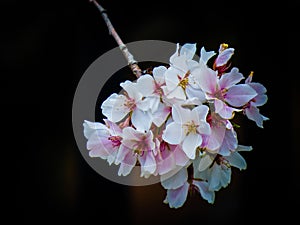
(132,63)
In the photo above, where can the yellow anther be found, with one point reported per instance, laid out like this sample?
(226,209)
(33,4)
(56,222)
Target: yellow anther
(191,128)
(183,83)
(224,46)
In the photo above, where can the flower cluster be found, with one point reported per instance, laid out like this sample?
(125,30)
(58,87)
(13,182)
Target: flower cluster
(176,123)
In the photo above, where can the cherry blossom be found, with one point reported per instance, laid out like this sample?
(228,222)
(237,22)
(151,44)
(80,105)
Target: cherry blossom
(103,140)
(179,79)
(187,128)
(176,123)
(117,106)
(216,169)
(178,187)
(251,109)
(136,146)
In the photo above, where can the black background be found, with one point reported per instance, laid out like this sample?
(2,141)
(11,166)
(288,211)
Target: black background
(45,49)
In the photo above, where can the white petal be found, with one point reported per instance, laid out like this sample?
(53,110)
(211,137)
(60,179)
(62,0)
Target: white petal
(195,93)
(176,53)
(145,85)
(204,191)
(175,181)
(205,56)
(225,177)
(188,50)
(160,116)
(90,127)
(178,93)
(173,134)
(204,128)
(131,90)
(171,77)
(204,162)
(214,181)
(130,133)
(181,115)
(114,107)
(141,120)
(159,74)
(190,143)
(219,177)
(235,159)
(201,112)
(244,148)
(177,197)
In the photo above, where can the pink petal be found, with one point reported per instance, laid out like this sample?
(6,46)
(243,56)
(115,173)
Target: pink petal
(148,164)
(180,157)
(259,88)
(127,164)
(239,95)
(229,79)
(216,138)
(253,113)
(114,129)
(165,161)
(224,56)
(229,144)
(224,110)
(207,78)
(259,100)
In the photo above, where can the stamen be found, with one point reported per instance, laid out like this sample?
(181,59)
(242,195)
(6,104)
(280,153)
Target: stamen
(183,83)
(223,47)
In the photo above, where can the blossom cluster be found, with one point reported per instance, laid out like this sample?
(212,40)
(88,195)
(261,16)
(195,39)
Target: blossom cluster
(176,123)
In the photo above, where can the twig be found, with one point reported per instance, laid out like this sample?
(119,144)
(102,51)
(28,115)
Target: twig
(132,63)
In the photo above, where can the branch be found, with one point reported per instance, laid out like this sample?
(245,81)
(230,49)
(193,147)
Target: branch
(132,63)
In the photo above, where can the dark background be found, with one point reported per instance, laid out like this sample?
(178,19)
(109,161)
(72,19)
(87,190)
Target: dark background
(46,47)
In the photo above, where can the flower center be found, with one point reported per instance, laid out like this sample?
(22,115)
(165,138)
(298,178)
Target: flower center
(115,140)
(190,128)
(130,104)
(224,163)
(141,146)
(183,83)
